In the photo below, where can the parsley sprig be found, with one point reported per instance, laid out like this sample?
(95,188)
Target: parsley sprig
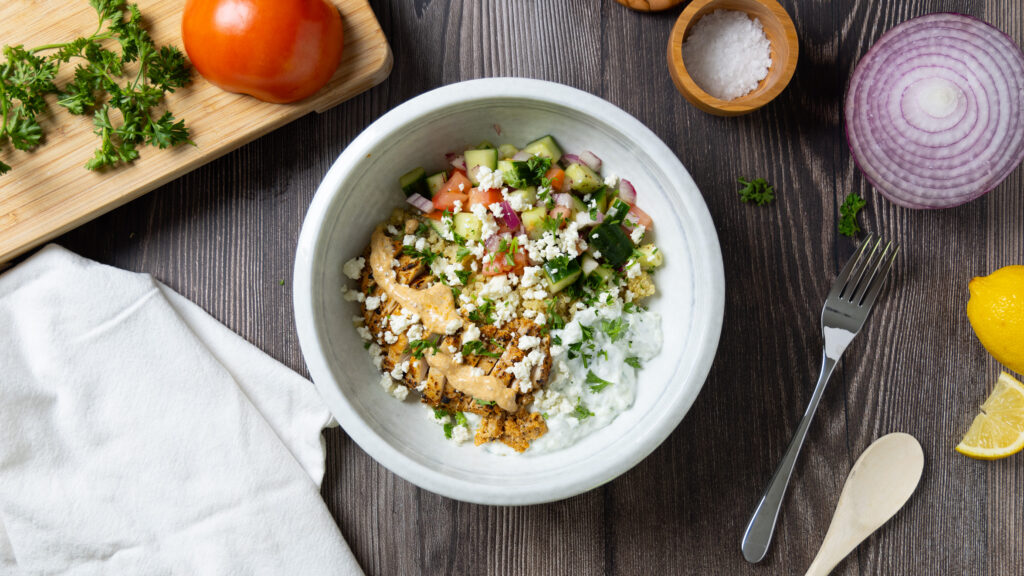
(596,382)
(102,84)
(758,191)
(477,348)
(580,412)
(848,225)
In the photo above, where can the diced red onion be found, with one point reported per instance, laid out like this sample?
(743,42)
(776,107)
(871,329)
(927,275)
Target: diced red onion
(509,216)
(456,160)
(591,160)
(563,200)
(493,243)
(522,156)
(420,202)
(630,221)
(626,192)
(571,159)
(935,111)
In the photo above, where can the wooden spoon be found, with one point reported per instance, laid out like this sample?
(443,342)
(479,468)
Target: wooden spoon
(650,5)
(880,483)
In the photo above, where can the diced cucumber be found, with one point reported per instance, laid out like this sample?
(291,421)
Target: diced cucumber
(415,182)
(588,264)
(561,272)
(475,158)
(609,239)
(468,226)
(526,195)
(602,197)
(617,211)
(604,272)
(506,166)
(578,206)
(583,178)
(545,146)
(435,182)
(533,221)
(507,151)
(439,226)
(649,256)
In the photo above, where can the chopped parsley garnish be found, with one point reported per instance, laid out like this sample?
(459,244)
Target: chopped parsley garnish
(549,224)
(526,173)
(587,331)
(455,419)
(629,307)
(758,191)
(484,313)
(596,382)
(423,230)
(463,275)
(366,345)
(418,347)
(477,348)
(544,193)
(848,225)
(508,248)
(580,411)
(633,361)
(485,402)
(426,255)
(555,320)
(461,254)
(614,328)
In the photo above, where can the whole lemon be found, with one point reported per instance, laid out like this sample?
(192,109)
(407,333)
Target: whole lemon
(996,312)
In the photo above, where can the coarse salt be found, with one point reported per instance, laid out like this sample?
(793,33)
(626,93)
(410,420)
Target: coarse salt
(727,54)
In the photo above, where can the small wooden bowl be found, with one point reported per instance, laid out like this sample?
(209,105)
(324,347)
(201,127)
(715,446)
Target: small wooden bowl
(779,29)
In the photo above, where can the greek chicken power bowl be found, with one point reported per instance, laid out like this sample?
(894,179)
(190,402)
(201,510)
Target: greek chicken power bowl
(508,295)
(508,291)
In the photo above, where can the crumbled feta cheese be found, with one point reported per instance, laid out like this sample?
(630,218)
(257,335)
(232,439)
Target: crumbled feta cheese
(476,372)
(495,288)
(452,326)
(489,227)
(451,273)
(475,249)
(497,210)
(531,275)
(415,332)
(392,231)
(354,268)
(460,434)
(632,269)
(541,319)
(611,181)
(352,295)
(529,313)
(457,205)
(488,178)
(470,333)
(597,253)
(386,382)
(421,244)
(375,355)
(372,302)
(457,358)
(399,370)
(409,240)
(527,342)
(364,333)
(583,218)
(400,392)
(390,337)
(637,234)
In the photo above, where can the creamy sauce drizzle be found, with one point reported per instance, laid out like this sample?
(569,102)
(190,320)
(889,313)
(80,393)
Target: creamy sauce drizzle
(436,308)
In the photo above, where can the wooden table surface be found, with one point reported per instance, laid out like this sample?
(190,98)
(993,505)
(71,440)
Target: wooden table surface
(224,237)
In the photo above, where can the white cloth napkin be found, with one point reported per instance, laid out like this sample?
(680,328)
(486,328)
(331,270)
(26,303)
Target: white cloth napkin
(140,436)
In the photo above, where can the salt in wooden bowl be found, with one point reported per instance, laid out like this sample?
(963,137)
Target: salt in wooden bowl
(779,29)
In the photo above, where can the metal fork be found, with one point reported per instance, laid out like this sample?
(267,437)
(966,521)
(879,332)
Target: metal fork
(848,304)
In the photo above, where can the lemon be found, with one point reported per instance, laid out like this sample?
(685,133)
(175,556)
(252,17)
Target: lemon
(996,312)
(999,430)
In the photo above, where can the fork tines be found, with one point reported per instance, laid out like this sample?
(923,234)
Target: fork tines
(861,279)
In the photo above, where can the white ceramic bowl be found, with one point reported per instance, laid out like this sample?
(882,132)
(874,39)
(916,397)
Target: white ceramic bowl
(361,189)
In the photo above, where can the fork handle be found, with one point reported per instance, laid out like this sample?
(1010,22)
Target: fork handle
(761,527)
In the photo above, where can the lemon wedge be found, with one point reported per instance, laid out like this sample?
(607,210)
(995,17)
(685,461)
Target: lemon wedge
(998,431)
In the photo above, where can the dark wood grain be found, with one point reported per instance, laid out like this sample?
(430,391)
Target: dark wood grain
(224,236)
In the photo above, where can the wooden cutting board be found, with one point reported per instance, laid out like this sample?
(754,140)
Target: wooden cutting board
(49,191)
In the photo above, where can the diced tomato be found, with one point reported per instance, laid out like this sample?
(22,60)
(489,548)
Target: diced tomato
(445,200)
(499,263)
(450,192)
(557,177)
(485,197)
(561,212)
(435,215)
(641,217)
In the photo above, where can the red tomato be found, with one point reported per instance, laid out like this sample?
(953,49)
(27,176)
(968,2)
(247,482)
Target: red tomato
(557,177)
(485,197)
(277,51)
(642,217)
(457,179)
(499,264)
(435,215)
(445,200)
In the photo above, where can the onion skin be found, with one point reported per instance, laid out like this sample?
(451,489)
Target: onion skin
(935,111)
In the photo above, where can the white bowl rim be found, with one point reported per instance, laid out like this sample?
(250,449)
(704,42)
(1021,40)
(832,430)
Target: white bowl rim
(392,123)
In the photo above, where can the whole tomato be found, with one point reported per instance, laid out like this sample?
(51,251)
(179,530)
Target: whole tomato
(275,50)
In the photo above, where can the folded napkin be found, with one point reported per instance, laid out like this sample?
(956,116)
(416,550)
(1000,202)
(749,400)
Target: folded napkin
(140,436)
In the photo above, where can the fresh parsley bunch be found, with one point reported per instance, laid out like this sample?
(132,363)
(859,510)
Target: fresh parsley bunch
(102,85)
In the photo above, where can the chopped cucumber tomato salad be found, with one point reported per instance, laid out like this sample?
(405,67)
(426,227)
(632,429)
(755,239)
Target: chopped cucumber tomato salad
(538,207)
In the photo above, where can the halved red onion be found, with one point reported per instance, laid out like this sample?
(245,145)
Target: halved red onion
(563,200)
(522,156)
(591,160)
(420,202)
(509,216)
(935,111)
(626,192)
(456,160)
(571,159)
